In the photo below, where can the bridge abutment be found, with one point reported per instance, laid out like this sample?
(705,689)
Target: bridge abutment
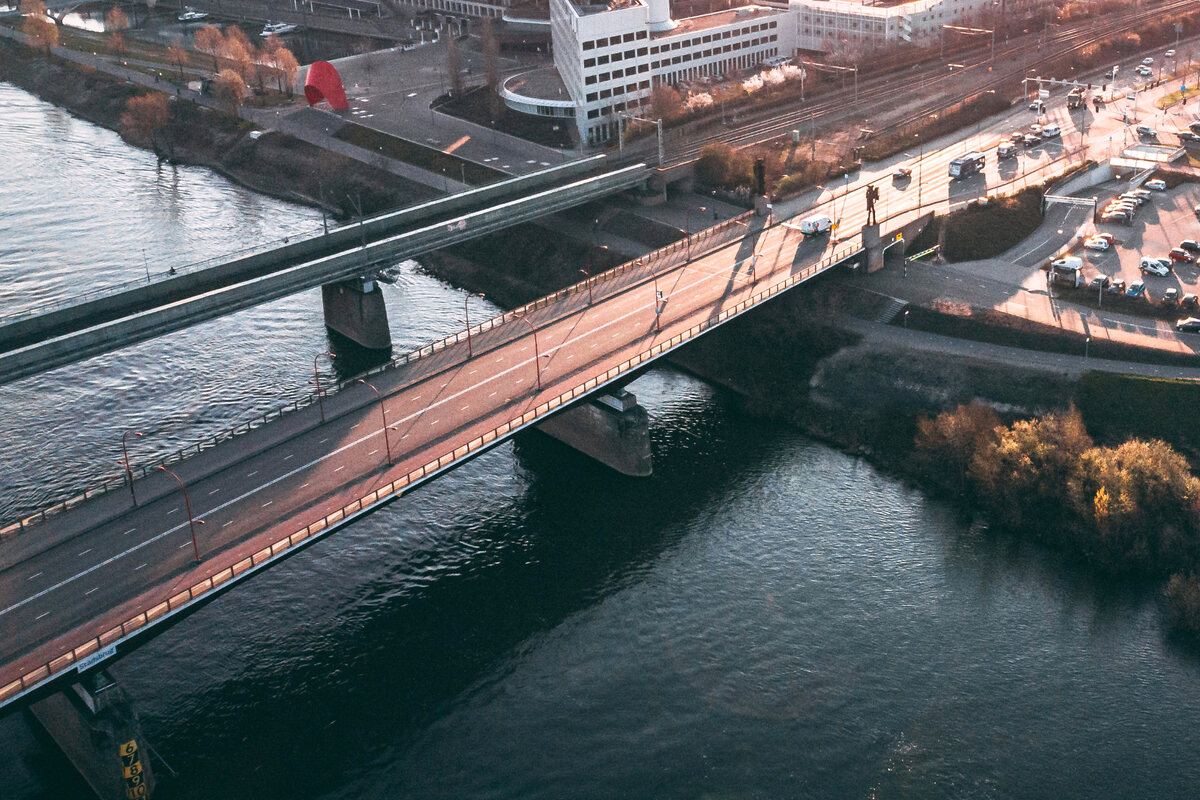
(613,429)
(355,309)
(93,722)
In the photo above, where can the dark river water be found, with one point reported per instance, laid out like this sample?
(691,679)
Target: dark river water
(765,617)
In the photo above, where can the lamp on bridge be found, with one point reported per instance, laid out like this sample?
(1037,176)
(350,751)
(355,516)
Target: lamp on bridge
(188,505)
(383,416)
(537,357)
(467,320)
(125,462)
(317,380)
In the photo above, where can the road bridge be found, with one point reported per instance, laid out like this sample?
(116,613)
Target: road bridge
(85,582)
(110,320)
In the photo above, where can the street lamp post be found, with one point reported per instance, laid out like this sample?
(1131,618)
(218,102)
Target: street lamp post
(537,356)
(317,381)
(920,168)
(188,505)
(659,302)
(687,227)
(383,416)
(467,318)
(128,469)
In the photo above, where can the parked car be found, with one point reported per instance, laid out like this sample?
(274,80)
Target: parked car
(1144,71)
(1154,266)
(1191,245)
(1116,286)
(1147,131)
(1170,295)
(1116,216)
(1181,255)
(1035,129)
(1108,237)
(1096,243)
(1032,140)
(1169,54)
(1099,282)
(1136,289)
(1190,325)
(1050,131)
(1189,301)
(1006,151)
(1157,184)
(1147,61)
(1016,136)
(1141,193)
(1137,198)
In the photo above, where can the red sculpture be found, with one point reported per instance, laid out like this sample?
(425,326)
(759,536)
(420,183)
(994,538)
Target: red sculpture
(324,83)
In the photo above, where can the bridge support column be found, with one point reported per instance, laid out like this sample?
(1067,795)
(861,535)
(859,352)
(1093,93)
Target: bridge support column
(355,309)
(613,429)
(873,246)
(93,722)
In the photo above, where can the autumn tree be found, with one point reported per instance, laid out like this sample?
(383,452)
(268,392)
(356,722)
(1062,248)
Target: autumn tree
(38,25)
(239,53)
(665,102)
(145,119)
(949,441)
(210,40)
(116,23)
(177,56)
(229,87)
(454,67)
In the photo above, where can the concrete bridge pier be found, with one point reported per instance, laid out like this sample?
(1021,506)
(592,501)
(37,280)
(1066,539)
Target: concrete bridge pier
(355,309)
(611,428)
(93,722)
(874,247)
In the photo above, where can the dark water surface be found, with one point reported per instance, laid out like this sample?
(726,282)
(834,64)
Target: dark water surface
(765,617)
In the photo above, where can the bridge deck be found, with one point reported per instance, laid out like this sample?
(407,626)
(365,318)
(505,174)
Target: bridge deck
(93,578)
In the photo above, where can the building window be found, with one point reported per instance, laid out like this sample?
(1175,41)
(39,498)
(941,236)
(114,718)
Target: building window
(595,112)
(605,93)
(589,45)
(589,62)
(641,51)
(590,79)
(628,37)
(643,67)
(630,53)
(602,60)
(604,76)
(592,97)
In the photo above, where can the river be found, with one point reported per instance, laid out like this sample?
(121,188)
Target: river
(765,617)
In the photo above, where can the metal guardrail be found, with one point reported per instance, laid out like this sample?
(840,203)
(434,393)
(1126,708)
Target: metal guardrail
(702,242)
(95,649)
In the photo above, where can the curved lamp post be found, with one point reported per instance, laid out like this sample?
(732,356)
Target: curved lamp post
(188,505)
(317,380)
(125,462)
(383,416)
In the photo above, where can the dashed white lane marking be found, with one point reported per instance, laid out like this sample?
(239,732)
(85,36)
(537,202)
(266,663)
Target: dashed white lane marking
(251,474)
(464,408)
(214,491)
(323,441)
(139,566)
(89,591)
(227,524)
(300,468)
(43,614)
(373,452)
(185,544)
(493,394)
(435,422)
(31,577)
(85,552)
(289,456)
(131,530)
(472,372)
(269,502)
(355,425)
(172,511)
(305,485)
(339,469)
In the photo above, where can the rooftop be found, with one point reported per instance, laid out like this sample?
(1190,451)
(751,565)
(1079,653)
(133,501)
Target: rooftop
(717,19)
(540,84)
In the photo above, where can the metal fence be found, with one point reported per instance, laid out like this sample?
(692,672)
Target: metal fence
(95,646)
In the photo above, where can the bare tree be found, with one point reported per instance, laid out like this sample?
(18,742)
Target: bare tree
(116,23)
(665,102)
(177,56)
(454,67)
(38,25)
(491,52)
(210,40)
(230,88)
(287,67)
(145,119)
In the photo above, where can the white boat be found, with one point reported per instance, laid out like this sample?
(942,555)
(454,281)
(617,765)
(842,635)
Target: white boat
(276,28)
(192,15)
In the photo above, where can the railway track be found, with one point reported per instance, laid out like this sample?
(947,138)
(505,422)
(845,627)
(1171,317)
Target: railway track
(931,80)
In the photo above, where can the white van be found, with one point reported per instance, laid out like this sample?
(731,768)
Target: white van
(815,225)
(1050,131)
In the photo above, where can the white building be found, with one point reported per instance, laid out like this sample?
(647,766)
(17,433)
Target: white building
(609,57)
(819,23)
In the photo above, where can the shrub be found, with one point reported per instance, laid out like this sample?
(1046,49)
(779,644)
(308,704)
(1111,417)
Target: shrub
(947,443)
(1183,602)
(722,166)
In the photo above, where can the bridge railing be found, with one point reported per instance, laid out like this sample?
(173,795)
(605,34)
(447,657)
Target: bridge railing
(702,241)
(197,591)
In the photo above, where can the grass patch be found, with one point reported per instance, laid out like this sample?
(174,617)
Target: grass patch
(1119,407)
(418,155)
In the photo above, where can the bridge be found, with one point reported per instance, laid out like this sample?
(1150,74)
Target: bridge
(86,581)
(112,318)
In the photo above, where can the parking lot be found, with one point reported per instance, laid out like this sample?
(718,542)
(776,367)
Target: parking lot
(1158,225)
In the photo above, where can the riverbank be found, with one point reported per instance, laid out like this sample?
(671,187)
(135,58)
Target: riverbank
(273,164)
